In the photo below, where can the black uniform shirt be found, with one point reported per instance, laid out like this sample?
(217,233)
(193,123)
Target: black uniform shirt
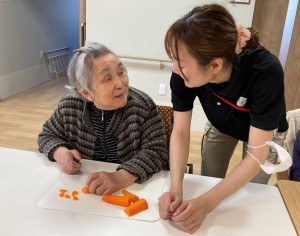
(254,96)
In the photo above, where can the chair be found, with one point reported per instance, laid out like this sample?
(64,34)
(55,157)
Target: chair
(166,114)
(293,118)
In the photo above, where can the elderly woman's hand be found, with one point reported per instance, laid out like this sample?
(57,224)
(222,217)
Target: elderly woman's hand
(109,182)
(68,160)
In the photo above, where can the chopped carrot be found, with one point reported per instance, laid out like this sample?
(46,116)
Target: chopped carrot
(132,197)
(61,194)
(74,193)
(63,190)
(136,207)
(116,200)
(75,198)
(67,196)
(85,190)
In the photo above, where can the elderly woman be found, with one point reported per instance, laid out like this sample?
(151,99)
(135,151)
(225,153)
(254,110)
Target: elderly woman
(104,119)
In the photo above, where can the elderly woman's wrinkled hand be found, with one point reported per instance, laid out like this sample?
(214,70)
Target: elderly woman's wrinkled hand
(68,160)
(109,182)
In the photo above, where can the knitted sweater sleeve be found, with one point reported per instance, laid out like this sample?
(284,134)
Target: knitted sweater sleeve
(52,135)
(148,141)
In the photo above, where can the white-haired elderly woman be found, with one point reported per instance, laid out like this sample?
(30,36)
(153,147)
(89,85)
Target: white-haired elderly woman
(104,119)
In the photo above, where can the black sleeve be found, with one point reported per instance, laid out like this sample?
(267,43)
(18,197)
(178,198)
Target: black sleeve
(268,107)
(182,96)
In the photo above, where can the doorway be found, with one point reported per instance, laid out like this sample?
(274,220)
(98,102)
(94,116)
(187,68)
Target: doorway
(82,22)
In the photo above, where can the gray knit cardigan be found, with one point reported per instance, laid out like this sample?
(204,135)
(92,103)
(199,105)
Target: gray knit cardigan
(137,129)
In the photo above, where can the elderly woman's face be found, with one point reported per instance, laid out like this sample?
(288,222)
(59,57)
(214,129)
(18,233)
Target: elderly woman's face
(110,83)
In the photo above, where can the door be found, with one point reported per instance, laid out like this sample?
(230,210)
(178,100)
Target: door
(82,22)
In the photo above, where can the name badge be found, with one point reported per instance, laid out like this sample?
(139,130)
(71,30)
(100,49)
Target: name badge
(241,102)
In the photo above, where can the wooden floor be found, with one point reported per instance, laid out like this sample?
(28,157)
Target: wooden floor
(22,117)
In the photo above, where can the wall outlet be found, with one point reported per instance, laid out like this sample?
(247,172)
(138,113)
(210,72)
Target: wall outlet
(41,54)
(162,89)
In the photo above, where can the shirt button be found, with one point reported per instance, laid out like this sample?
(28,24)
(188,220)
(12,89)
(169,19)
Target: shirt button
(218,103)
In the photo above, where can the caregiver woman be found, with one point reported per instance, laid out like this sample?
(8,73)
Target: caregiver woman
(240,86)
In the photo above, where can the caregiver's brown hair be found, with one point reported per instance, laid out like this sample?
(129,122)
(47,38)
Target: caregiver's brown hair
(208,32)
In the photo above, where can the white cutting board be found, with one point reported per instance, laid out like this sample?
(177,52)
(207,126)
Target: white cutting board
(93,204)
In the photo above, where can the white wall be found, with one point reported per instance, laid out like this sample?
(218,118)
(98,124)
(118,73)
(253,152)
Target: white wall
(26,28)
(137,28)
(148,76)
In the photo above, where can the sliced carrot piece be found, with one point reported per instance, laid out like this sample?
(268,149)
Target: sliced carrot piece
(67,196)
(74,193)
(132,197)
(136,207)
(61,194)
(85,190)
(63,190)
(116,200)
(75,198)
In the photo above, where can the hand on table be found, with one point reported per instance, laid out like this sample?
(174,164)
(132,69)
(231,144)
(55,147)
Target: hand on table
(109,182)
(190,215)
(68,160)
(168,204)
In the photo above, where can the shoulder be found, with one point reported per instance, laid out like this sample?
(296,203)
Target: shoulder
(71,102)
(262,60)
(261,67)
(139,98)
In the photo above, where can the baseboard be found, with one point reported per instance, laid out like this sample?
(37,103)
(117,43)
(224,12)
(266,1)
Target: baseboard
(13,83)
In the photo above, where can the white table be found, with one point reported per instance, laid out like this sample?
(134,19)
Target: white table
(25,177)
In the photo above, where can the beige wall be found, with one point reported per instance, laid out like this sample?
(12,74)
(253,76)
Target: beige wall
(292,69)
(267,18)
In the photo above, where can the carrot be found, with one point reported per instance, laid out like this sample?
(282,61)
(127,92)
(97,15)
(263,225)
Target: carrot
(62,192)
(132,197)
(136,207)
(85,190)
(75,198)
(116,200)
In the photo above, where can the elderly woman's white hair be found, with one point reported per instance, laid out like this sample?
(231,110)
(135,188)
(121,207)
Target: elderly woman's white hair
(80,66)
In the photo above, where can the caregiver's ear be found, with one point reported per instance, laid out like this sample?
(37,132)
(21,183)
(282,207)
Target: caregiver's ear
(216,65)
